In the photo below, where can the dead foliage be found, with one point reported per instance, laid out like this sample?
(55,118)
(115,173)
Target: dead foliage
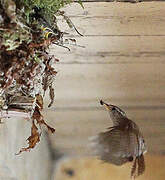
(27,71)
(33,139)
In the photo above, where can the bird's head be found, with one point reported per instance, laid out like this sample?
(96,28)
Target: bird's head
(114,111)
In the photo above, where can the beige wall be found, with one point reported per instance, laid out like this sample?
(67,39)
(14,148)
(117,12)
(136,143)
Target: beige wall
(123,63)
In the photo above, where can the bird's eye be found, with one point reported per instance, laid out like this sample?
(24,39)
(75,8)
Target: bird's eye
(113,109)
(130,158)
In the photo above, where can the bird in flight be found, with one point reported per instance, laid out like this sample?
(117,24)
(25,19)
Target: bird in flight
(122,143)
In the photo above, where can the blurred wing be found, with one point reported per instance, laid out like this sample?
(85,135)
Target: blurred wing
(116,146)
(120,120)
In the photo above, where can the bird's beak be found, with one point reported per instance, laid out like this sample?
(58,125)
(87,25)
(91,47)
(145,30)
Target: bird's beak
(105,105)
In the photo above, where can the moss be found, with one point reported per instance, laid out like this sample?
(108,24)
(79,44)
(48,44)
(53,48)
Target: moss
(45,7)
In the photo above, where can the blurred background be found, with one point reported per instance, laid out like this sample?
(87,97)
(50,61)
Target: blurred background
(120,59)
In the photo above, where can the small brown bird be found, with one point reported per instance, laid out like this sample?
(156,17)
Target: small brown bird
(121,143)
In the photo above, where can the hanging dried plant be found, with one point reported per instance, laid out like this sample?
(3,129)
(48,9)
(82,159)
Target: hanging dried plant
(27,29)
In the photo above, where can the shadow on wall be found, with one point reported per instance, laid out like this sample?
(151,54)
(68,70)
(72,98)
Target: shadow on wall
(88,169)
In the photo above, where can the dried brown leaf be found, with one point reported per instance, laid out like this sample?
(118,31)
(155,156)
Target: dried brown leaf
(57,60)
(51,95)
(40,120)
(52,130)
(33,139)
(39,101)
(48,78)
(45,83)
(45,43)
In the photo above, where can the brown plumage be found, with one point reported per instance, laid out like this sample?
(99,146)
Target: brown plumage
(122,143)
